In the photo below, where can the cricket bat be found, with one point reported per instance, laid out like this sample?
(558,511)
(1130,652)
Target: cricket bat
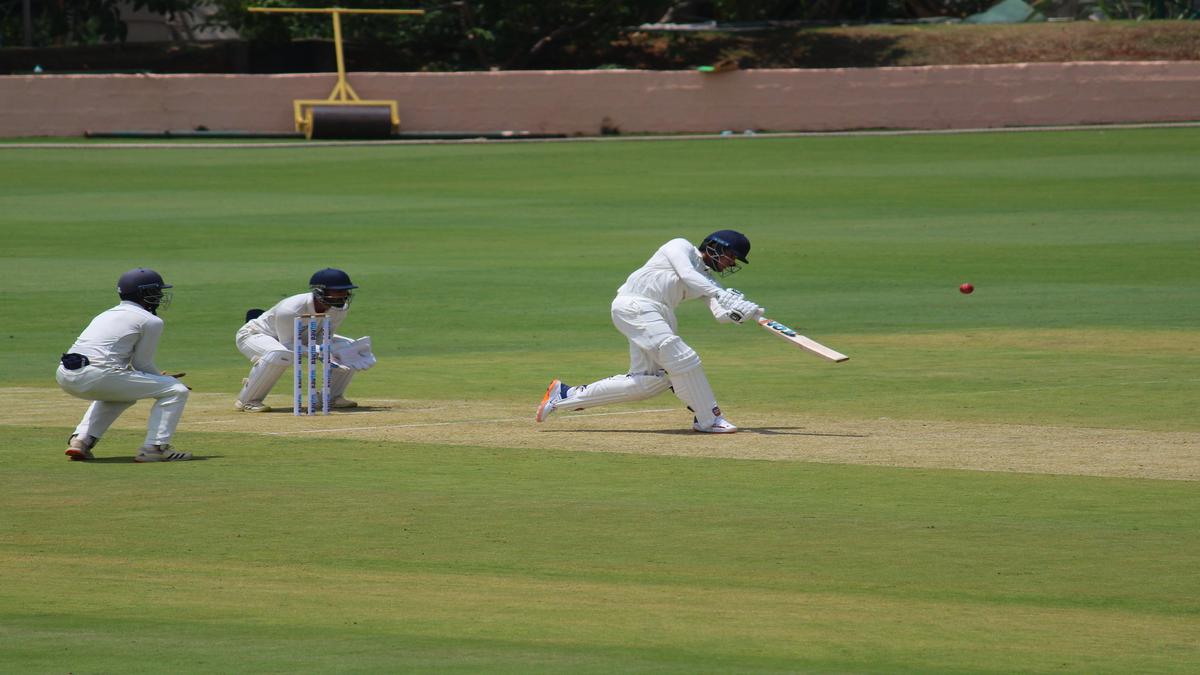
(801,341)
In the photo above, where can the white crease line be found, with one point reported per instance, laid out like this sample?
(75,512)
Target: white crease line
(234,420)
(446,424)
(202,423)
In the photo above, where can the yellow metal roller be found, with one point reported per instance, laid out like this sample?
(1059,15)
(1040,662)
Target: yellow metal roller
(343,114)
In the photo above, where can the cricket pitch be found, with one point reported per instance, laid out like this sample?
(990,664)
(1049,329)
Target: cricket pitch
(656,429)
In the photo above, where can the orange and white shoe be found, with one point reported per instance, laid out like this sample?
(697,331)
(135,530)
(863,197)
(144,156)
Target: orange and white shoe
(80,450)
(555,393)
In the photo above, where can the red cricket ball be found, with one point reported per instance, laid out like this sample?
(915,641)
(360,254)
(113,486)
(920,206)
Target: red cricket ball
(966,288)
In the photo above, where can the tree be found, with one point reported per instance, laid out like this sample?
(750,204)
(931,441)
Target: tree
(66,22)
(460,34)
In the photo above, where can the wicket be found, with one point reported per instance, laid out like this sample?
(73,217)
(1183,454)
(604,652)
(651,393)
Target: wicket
(308,329)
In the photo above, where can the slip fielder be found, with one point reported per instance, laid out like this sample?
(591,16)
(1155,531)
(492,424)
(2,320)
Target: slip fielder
(111,364)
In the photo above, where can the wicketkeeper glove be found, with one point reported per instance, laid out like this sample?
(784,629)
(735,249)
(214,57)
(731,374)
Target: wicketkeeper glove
(356,356)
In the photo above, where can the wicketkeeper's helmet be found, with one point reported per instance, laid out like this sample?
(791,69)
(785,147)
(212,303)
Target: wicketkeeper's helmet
(144,286)
(331,279)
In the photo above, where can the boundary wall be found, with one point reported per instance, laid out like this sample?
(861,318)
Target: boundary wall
(628,101)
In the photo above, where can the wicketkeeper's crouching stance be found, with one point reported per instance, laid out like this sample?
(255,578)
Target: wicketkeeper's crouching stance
(112,365)
(644,311)
(268,338)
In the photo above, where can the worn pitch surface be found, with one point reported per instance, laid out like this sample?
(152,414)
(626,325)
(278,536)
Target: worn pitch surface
(661,428)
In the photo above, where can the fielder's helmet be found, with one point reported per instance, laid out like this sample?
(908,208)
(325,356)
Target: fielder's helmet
(144,286)
(331,279)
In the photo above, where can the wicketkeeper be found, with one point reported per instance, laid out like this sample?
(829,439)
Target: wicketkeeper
(644,311)
(112,365)
(268,337)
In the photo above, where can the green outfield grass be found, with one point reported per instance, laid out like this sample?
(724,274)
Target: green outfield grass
(488,269)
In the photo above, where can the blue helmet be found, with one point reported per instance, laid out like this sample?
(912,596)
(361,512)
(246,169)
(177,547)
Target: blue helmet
(729,240)
(725,241)
(331,279)
(145,287)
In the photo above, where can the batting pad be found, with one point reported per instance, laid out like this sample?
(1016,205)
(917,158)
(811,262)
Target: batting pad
(616,389)
(339,379)
(675,356)
(688,379)
(264,375)
(693,389)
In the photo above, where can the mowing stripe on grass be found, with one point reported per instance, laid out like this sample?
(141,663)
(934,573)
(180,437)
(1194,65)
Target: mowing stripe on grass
(592,139)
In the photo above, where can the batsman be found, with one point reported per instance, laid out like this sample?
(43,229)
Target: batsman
(644,312)
(267,340)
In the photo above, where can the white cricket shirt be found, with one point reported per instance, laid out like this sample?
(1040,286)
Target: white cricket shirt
(675,273)
(279,321)
(123,337)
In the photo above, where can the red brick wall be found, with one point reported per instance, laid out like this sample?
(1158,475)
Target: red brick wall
(581,102)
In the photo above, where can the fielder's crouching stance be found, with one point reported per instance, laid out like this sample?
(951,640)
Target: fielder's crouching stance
(112,365)
(268,337)
(644,311)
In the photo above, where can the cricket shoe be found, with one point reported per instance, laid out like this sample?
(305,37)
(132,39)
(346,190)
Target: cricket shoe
(341,403)
(79,450)
(555,393)
(719,426)
(338,403)
(160,453)
(252,406)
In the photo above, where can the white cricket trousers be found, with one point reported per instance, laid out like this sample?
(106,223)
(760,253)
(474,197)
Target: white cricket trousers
(658,359)
(113,391)
(647,325)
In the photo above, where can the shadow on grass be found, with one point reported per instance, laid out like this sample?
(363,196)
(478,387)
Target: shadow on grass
(337,411)
(792,431)
(762,431)
(129,460)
